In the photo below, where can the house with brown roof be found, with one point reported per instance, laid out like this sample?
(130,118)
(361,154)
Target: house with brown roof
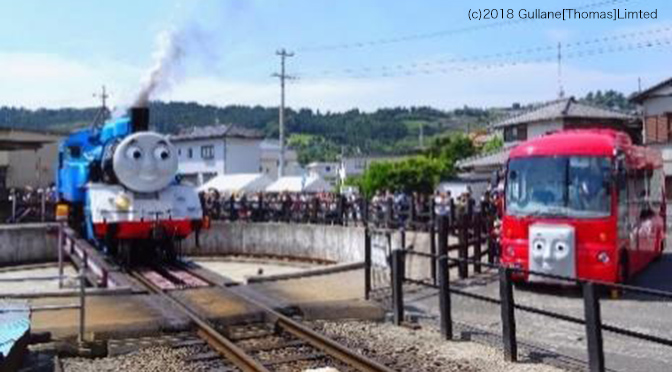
(565,113)
(655,104)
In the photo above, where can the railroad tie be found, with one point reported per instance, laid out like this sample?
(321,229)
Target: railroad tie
(294,358)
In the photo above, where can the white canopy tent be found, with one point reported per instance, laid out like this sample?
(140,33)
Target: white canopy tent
(300,184)
(235,183)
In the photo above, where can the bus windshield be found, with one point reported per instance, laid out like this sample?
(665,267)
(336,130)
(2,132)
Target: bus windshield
(566,186)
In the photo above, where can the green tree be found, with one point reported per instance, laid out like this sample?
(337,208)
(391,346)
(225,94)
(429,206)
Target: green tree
(494,144)
(416,174)
(450,149)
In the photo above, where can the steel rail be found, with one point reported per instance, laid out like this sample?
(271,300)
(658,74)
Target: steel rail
(215,339)
(320,342)
(330,346)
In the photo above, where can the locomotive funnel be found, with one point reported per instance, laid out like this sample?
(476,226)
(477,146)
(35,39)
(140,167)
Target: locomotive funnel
(139,119)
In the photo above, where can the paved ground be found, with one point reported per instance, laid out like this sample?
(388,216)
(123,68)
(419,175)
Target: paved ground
(557,341)
(240,271)
(42,286)
(141,314)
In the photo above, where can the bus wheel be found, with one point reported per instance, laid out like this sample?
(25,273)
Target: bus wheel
(623,268)
(659,253)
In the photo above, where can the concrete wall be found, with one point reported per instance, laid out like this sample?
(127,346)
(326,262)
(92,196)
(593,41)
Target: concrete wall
(331,243)
(322,242)
(28,243)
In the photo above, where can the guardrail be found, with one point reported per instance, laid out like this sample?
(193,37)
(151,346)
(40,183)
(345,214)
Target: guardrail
(81,277)
(83,255)
(592,319)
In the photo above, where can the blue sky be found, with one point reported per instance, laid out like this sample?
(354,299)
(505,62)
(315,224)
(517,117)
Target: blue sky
(57,53)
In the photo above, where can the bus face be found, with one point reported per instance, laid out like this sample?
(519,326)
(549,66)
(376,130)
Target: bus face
(561,217)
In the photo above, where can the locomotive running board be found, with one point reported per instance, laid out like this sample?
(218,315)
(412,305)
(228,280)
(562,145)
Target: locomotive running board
(99,271)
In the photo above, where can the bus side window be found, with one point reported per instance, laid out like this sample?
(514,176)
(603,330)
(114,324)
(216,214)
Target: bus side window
(656,190)
(644,193)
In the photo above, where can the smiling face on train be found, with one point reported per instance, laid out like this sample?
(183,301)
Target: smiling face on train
(145,162)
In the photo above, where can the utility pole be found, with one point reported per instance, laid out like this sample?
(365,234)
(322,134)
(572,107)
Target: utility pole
(281,115)
(561,90)
(103,95)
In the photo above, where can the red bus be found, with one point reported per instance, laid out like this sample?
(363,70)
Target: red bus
(585,204)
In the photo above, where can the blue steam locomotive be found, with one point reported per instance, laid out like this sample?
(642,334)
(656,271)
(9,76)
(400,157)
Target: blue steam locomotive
(117,185)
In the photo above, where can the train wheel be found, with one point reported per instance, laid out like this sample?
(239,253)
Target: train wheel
(168,250)
(125,254)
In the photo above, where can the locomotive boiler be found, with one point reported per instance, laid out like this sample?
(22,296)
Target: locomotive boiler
(117,184)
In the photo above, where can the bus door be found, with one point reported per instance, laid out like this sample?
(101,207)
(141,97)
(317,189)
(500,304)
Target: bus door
(644,220)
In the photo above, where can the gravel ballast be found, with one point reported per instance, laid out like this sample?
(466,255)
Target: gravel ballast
(400,348)
(153,359)
(405,349)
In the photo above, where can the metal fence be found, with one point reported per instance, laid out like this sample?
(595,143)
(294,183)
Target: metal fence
(473,232)
(410,212)
(592,320)
(81,306)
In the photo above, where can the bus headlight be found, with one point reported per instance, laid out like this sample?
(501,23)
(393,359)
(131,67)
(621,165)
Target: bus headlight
(603,257)
(510,251)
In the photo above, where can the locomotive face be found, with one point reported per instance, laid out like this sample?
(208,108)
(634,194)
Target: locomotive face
(145,162)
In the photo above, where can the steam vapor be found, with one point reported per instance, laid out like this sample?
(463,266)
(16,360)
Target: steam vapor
(167,60)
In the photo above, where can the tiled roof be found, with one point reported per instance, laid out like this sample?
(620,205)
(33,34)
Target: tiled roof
(640,97)
(217,131)
(493,159)
(563,108)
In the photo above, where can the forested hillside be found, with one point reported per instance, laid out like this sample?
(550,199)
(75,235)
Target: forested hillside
(316,135)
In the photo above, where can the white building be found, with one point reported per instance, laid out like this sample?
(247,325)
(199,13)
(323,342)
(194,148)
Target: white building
(270,160)
(206,152)
(328,171)
(353,166)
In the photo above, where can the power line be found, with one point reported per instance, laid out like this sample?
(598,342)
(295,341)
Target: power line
(501,64)
(438,34)
(499,55)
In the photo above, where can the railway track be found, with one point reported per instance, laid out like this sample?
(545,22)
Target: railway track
(280,343)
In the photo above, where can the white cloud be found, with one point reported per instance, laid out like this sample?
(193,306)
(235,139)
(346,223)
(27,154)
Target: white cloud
(43,80)
(480,88)
(49,80)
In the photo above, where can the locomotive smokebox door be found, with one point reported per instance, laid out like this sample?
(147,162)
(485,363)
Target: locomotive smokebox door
(139,119)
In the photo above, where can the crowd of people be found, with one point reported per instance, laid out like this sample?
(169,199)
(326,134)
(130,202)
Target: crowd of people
(385,209)
(28,204)
(276,207)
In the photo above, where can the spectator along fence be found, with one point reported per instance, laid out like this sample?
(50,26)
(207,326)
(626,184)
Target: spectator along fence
(22,206)
(410,212)
(442,261)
